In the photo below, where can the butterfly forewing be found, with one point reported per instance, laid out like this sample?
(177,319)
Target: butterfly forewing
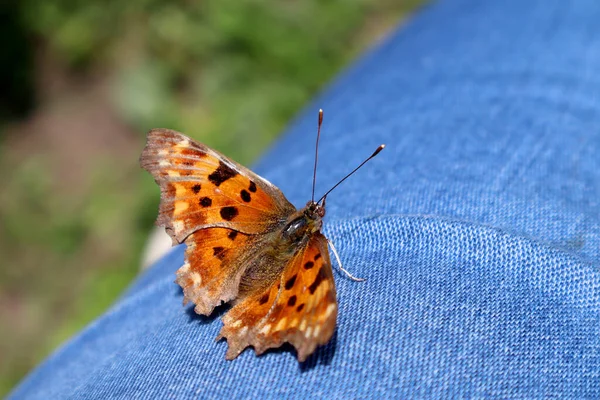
(200,188)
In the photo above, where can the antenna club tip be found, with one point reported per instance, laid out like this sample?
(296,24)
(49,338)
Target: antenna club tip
(320,111)
(378,150)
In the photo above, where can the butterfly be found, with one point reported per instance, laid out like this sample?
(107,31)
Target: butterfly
(246,244)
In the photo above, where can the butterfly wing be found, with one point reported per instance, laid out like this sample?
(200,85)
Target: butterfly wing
(299,308)
(215,260)
(214,205)
(201,188)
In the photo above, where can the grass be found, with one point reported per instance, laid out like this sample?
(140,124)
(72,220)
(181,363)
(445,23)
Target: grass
(228,72)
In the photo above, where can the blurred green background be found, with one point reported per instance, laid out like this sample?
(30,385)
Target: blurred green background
(81,82)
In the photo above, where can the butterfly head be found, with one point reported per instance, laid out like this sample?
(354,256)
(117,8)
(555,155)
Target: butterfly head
(314,210)
(312,216)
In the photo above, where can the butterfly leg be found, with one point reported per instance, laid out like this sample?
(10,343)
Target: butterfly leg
(337,257)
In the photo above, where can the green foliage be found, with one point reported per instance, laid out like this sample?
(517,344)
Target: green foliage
(230,70)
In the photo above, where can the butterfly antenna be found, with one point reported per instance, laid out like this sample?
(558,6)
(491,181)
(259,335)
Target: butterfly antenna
(337,257)
(317,154)
(353,171)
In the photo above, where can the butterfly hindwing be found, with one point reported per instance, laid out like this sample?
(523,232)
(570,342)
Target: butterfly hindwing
(299,308)
(200,188)
(215,259)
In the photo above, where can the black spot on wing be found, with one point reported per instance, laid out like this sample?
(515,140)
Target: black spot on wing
(205,202)
(245,196)
(231,235)
(309,265)
(290,282)
(196,188)
(229,213)
(318,279)
(264,299)
(219,252)
(300,307)
(221,174)
(317,256)
(292,301)
(252,187)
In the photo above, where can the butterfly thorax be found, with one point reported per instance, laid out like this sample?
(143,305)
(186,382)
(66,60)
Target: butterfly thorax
(304,223)
(279,246)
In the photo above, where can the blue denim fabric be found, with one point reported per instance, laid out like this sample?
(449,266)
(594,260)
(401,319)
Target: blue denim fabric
(478,229)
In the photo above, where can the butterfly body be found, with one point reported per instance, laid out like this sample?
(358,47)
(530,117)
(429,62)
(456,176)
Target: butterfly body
(246,244)
(281,245)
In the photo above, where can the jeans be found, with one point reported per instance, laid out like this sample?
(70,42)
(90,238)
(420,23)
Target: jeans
(477,228)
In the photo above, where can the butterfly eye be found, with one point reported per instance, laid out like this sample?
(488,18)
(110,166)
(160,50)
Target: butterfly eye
(320,211)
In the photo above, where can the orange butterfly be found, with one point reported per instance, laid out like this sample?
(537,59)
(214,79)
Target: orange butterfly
(246,243)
